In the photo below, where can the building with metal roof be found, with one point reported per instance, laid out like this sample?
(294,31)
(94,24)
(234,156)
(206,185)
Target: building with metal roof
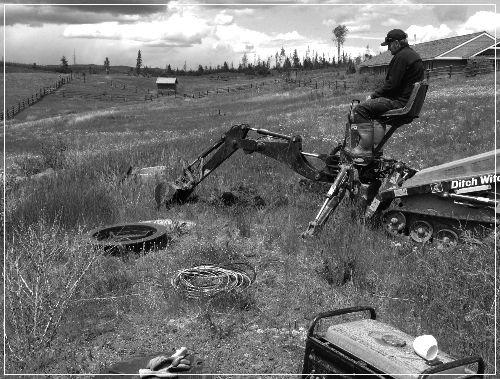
(453,51)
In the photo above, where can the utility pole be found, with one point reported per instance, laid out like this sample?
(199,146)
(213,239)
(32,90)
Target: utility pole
(74,57)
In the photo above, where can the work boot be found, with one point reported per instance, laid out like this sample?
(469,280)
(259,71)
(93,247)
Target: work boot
(378,134)
(364,149)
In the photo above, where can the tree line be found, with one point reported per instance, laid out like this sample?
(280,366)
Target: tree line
(281,62)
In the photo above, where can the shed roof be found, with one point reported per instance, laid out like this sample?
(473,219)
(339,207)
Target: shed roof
(459,47)
(163,80)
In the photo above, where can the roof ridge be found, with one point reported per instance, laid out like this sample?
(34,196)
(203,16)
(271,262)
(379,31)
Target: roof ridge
(448,38)
(431,49)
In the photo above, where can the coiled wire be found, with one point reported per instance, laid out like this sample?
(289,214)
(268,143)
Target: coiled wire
(209,280)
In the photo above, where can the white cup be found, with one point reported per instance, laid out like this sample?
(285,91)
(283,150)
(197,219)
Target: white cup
(426,346)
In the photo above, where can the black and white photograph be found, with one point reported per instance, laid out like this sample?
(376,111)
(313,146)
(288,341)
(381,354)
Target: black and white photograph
(266,189)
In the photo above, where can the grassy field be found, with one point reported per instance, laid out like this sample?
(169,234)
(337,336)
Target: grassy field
(20,86)
(66,158)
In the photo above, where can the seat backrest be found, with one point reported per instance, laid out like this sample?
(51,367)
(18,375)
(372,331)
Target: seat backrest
(417,97)
(402,116)
(413,106)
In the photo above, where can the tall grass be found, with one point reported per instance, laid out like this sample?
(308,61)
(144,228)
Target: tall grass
(120,308)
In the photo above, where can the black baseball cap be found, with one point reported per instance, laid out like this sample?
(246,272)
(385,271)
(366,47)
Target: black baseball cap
(394,35)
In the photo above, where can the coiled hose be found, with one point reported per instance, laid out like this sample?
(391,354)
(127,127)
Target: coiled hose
(209,280)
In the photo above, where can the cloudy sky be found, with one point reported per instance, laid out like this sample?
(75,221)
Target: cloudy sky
(177,31)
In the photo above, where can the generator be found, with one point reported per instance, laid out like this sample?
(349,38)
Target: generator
(366,347)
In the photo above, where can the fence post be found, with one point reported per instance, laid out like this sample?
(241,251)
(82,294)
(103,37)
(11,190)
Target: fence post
(428,74)
(451,69)
(345,85)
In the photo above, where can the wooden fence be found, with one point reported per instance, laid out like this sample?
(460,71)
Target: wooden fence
(11,111)
(449,71)
(312,83)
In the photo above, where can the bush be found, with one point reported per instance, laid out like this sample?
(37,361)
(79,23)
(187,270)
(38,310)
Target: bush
(53,153)
(69,201)
(44,269)
(366,82)
(351,68)
(478,65)
(29,165)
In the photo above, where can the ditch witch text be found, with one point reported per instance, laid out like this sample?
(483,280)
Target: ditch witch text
(472,182)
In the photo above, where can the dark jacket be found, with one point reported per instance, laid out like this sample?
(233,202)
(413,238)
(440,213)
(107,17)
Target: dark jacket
(405,69)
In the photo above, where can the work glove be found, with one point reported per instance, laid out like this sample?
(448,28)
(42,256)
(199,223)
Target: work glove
(167,367)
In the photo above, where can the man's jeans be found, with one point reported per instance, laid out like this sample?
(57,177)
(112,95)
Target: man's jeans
(373,108)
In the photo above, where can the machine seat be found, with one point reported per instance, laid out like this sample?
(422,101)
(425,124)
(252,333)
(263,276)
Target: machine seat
(405,115)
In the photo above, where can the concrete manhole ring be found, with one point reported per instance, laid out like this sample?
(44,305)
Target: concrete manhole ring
(137,237)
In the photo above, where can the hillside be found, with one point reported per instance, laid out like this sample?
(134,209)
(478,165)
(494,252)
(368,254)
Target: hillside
(67,156)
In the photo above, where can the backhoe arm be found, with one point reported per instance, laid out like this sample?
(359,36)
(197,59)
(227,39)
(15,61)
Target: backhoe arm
(283,148)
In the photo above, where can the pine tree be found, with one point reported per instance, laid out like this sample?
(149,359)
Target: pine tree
(244,60)
(139,63)
(64,64)
(339,33)
(287,65)
(295,59)
(106,65)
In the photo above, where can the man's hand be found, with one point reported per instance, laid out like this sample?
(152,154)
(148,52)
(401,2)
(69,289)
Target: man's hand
(368,97)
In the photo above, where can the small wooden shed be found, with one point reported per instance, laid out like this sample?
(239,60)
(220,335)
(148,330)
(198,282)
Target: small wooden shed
(166,84)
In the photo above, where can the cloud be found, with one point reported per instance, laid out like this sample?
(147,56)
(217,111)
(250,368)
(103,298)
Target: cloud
(356,26)
(428,33)
(240,39)
(449,13)
(481,21)
(223,19)
(177,30)
(342,16)
(105,30)
(288,37)
(243,12)
(243,40)
(391,22)
(37,15)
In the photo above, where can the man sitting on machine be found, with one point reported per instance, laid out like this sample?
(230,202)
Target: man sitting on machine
(405,69)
